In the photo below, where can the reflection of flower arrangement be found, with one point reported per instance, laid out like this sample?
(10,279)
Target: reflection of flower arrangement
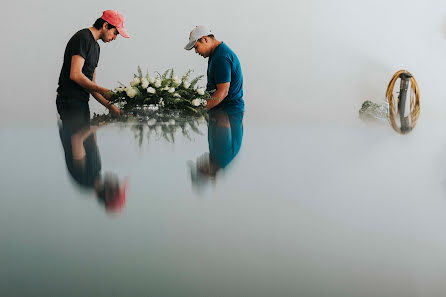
(164,125)
(151,121)
(374,111)
(165,91)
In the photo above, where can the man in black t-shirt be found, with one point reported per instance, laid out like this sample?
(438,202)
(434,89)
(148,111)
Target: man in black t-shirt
(77,77)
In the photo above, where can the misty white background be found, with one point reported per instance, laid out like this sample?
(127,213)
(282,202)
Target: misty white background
(301,60)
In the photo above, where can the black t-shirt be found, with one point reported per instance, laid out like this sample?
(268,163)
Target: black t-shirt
(82,43)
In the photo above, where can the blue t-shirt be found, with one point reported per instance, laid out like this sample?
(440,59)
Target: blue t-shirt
(223,67)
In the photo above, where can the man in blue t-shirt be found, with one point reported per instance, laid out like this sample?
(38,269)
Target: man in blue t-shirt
(225,79)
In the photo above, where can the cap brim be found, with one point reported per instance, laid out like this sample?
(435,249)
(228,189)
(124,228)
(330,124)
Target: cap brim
(122,32)
(190,45)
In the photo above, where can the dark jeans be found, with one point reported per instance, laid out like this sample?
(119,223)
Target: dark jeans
(74,114)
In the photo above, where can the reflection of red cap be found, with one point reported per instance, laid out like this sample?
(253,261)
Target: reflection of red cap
(116,19)
(118,202)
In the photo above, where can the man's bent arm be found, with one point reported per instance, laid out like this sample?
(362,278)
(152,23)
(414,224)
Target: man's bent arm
(98,95)
(76,75)
(113,109)
(219,95)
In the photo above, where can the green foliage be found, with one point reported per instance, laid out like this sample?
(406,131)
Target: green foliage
(165,74)
(186,75)
(195,81)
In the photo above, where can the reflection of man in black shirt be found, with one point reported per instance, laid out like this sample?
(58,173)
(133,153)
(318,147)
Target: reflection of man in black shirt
(81,153)
(225,134)
(84,162)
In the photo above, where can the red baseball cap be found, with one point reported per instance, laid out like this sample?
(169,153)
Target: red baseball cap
(113,17)
(118,199)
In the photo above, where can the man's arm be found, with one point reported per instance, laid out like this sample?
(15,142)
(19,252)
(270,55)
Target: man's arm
(113,109)
(76,75)
(77,142)
(219,95)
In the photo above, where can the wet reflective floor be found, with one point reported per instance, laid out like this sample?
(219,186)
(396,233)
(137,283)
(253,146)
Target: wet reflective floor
(231,209)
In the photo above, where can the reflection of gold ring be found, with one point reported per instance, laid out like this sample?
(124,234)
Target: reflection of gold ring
(393,103)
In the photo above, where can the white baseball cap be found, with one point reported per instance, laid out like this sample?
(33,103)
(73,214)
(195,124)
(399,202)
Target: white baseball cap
(195,34)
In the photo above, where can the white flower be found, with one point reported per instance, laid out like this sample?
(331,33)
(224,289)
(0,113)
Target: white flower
(151,122)
(176,80)
(177,95)
(153,107)
(171,90)
(161,102)
(151,80)
(157,83)
(131,92)
(200,92)
(172,122)
(119,89)
(144,83)
(166,88)
(186,85)
(196,102)
(204,102)
(151,90)
(135,82)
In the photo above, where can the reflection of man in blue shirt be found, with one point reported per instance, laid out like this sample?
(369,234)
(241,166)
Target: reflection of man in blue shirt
(225,134)
(224,72)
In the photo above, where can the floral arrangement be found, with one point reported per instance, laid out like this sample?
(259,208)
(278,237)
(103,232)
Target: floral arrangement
(163,91)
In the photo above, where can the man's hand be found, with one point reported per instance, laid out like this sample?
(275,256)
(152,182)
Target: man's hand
(108,94)
(219,95)
(115,110)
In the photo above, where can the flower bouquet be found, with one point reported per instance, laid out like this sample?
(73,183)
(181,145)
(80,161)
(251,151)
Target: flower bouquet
(164,91)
